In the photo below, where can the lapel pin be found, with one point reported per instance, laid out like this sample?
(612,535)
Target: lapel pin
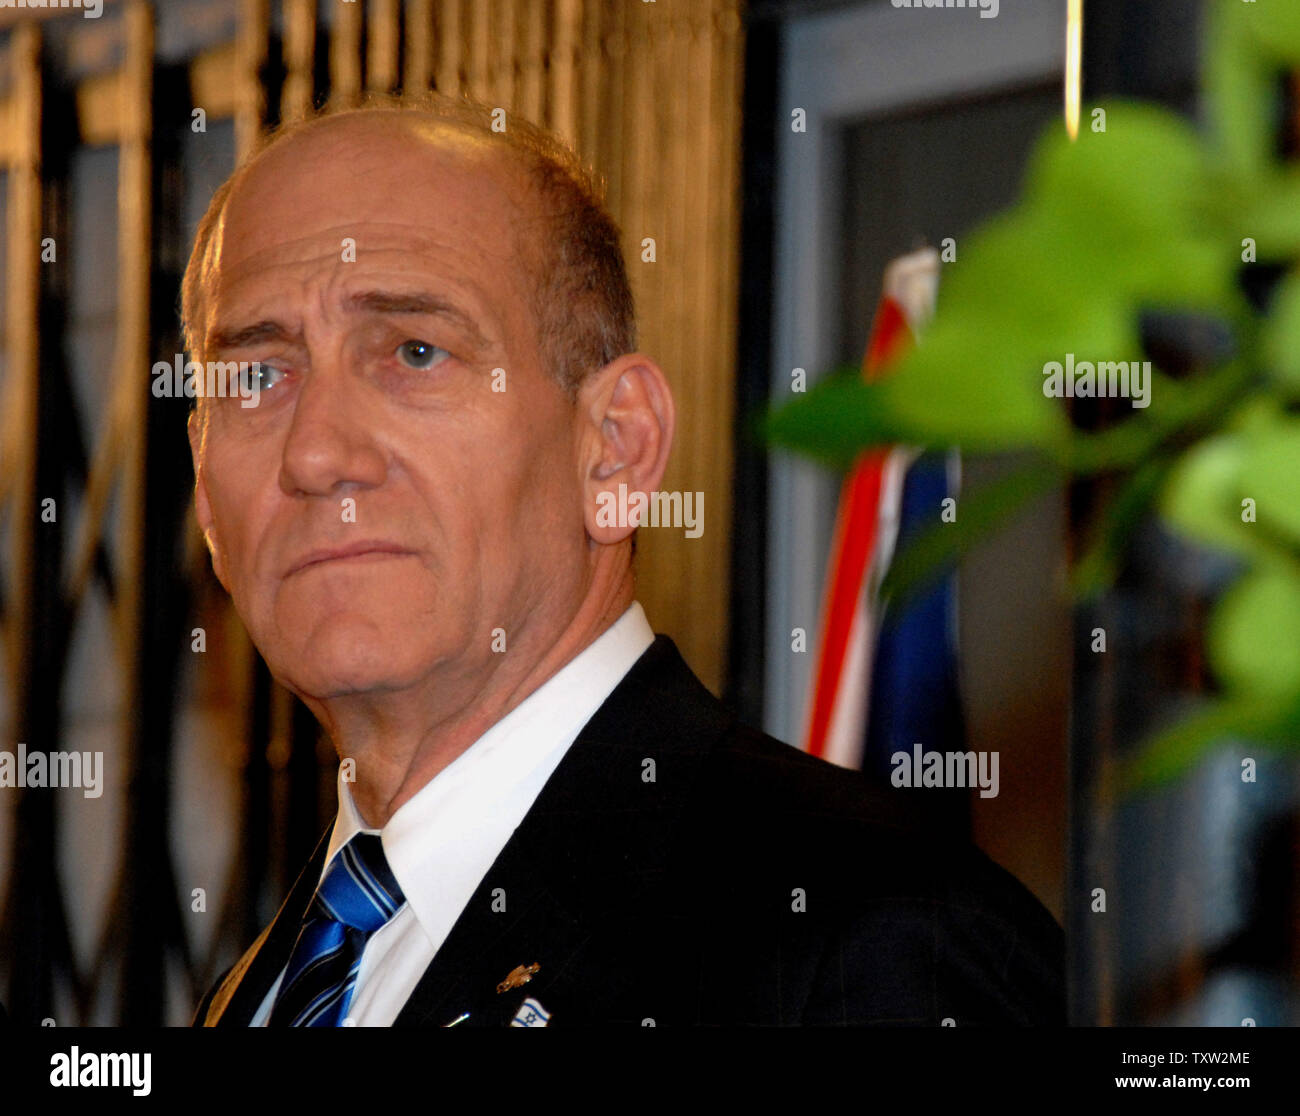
(459,1019)
(518,977)
(531,1014)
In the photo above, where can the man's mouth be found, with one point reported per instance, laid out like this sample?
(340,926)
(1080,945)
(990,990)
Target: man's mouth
(367,550)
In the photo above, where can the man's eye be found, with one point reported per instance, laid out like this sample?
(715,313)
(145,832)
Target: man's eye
(419,354)
(250,378)
(260,376)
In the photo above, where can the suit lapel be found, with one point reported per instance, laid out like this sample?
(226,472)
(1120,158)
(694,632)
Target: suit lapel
(236,1001)
(597,837)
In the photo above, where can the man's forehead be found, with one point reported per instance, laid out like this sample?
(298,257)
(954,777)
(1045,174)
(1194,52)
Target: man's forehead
(374,176)
(390,247)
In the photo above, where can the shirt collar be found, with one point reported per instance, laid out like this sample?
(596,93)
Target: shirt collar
(474,798)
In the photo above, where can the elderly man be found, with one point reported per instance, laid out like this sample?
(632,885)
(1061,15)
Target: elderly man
(543,816)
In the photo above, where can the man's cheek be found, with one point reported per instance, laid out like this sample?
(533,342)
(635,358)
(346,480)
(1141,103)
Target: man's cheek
(229,558)
(217,554)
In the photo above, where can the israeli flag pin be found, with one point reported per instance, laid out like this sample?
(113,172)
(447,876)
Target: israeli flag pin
(531,1014)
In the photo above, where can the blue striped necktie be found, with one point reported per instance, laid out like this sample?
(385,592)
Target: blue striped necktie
(356,897)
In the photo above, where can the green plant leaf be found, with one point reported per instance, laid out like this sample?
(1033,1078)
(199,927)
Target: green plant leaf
(1238,79)
(1202,498)
(1134,208)
(1173,753)
(1280,339)
(1275,31)
(844,414)
(1147,170)
(1253,638)
(1267,210)
(1270,475)
(1198,405)
(1097,569)
(979,513)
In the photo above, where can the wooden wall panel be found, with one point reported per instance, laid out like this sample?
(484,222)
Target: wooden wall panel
(18,497)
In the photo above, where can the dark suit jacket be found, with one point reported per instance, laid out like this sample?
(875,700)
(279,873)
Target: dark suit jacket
(681,868)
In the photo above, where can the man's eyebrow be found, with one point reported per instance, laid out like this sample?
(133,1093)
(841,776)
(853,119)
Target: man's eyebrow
(255,334)
(394,302)
(374,302)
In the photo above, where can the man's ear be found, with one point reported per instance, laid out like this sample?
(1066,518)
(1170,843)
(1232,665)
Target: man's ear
(630,421)
(202,507)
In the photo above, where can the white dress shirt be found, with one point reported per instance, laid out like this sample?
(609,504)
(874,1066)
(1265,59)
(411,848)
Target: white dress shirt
(441,842)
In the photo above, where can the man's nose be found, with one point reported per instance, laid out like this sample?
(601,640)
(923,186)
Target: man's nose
(330,446)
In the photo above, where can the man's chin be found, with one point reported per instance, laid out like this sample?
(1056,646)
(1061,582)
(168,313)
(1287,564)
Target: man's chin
(341,658)
(324,681)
